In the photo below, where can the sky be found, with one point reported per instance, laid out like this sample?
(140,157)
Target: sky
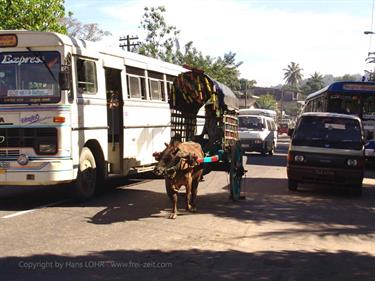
(266,35)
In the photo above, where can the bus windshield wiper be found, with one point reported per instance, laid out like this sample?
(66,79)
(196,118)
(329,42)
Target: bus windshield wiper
(44,62)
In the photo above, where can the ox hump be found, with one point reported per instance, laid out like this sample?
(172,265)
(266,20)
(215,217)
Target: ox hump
(191,147)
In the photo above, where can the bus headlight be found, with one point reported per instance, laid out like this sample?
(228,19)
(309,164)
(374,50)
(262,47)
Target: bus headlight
(23,159)
(299,158)
(352,162)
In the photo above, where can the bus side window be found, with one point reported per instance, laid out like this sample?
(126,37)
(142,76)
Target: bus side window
(156,85)
(134,87)
(86,76)
(136,82)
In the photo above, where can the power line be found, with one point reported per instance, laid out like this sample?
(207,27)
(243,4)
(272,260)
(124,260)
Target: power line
(372,26)
(128,43)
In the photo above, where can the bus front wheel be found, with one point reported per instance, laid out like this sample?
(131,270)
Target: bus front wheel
(86,179)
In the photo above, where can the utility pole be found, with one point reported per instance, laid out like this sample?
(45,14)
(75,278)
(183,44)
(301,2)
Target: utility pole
(246,97)
(128,43)
(282,101)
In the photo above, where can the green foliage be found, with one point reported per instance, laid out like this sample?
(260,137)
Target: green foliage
(291,108)
(293,76)
(314,83)
(267,102)
(38,15)
(245,84)
(347,77)
(243,87)
(162,42)
(160,39)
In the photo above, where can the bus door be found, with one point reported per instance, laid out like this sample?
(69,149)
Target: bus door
(115,119)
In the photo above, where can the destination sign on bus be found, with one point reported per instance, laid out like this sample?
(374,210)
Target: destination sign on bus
(359,87)
(8,40)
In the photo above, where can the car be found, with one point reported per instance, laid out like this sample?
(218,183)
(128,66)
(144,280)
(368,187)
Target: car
(257,133)
(283,128)
(326,148)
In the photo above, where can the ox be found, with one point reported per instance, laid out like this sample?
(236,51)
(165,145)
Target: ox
(178,164)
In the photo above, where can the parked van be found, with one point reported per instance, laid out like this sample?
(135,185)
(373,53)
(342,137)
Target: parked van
(326,148)
(257,133)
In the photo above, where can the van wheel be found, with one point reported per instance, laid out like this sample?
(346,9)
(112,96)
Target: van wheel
(292,185)
(86,179)
(272,151)
(264,150)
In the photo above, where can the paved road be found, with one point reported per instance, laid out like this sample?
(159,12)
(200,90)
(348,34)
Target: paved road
(317,233)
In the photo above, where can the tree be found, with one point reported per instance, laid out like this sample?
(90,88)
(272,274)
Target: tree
(162,42)
(38,15)
(244,85)
(293,75)
(314,83)
(90,32)
(267,102)
(161,38)
(347,77)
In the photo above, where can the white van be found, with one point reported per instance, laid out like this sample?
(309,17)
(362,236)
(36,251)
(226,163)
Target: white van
(259,111)
(257,133)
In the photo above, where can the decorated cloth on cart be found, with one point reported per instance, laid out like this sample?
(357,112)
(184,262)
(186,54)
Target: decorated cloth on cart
(192,89)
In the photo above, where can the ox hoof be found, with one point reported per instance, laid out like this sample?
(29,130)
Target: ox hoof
(193,209)
(173,216)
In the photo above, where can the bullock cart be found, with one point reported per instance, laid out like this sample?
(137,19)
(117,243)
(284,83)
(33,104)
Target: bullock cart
(191,92)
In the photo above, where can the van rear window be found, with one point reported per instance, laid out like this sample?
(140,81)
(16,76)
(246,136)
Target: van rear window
(328,132)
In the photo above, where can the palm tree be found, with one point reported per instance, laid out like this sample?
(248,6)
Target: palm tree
(293,75)
(315,82)
(244,86)
(293,78)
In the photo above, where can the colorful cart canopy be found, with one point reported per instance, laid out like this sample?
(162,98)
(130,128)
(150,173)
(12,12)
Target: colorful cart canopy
(192,89)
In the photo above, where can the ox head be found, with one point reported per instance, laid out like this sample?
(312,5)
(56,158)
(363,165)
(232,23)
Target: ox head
(170,158)
(167,159)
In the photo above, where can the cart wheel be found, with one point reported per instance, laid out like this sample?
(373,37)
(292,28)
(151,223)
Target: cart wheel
(236,171)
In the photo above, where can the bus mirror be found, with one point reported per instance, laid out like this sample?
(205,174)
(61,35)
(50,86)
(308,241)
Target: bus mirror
(290,132)
(64,80)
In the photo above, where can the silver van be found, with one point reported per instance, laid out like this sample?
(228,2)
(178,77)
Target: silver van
(257,133)
(326,148)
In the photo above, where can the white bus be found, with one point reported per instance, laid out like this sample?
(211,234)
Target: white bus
(71,111)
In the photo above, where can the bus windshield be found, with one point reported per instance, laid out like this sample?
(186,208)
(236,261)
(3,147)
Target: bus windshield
(368,107)
(328,132)
(29,77)
(347,104)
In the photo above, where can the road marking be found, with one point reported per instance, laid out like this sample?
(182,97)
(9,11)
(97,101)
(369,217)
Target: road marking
(32,210)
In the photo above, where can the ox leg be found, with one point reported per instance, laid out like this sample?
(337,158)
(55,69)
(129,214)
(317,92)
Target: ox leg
(169,189)
(194,191)
(172,194)
(173,215)
(188,193)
